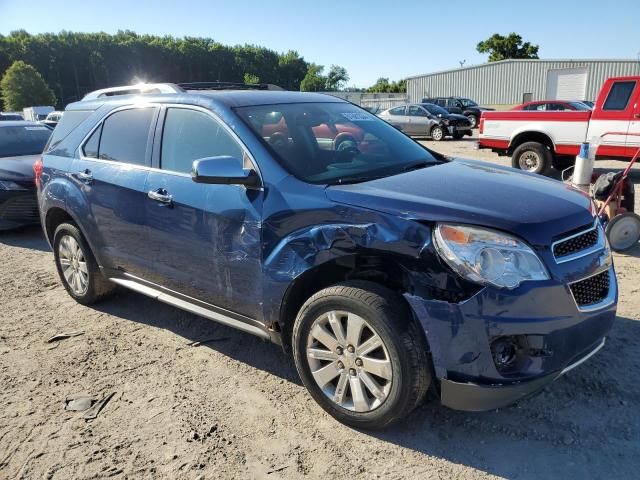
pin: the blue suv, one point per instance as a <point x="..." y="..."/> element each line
<point x="384" y="268"/>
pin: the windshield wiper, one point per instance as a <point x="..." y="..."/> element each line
<point x="416" y="166"/>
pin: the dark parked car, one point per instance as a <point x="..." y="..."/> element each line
<point x="460" y="105"/>
<point x="384" y="268"/>
<point x="427" y="120"/>
<point x="21" y="144"/>
<point x="10" y="116"/>
<point x="553" y="106"/>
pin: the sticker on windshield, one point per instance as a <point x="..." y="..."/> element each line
<point x="357" y="117"/>
<point x="36" y="128"/>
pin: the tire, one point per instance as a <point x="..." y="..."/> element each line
<point x="623" y="231"/>
<point x="77" y="267"/>
<point x="473" y="119"/>
<point x="532" y="157"/>
<point x="402" y="368"/>
<point x="437" y="133"/>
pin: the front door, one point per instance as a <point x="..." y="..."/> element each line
<point x="111" y="172"/>
<point x="204" y="241"/>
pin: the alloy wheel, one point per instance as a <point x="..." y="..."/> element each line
<point x="73" y="265"/>
<point x="529" y="161"/>
<point x="349" y="361"/>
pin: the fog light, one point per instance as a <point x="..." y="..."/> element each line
<point x="503" y="351"/>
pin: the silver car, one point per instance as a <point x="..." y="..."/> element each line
<point x="427" y="120"/>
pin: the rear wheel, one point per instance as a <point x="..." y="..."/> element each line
<point x="532" y="157"/>
<point x="437" y="133"/>
<point x="359" y="354"/>
<point x="77" y="267"/>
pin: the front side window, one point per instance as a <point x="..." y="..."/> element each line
<point x="329" y="143"/>
<point x="466" y="103"/>
<point x="124" y="136"/>
<point x="23" y="140"/>
<point x="190" y="135"/>
<point x="416" y="111"/>
<point x="619" y="96"/>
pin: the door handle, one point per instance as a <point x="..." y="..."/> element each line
<point x="160" y="195"/>
<point x="85" y="176"/>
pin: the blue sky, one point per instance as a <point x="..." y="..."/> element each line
<point x="370" y="39"/>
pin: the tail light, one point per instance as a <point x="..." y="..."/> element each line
<point x="481" y="126"/>
<point x="37" y="170"/>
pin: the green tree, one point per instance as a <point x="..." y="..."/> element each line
<point x="251" y="79"/>
<point x="502" y="48"/>
<point x="314" y="80"/>
<point x="383" y="85"/>
<point x="22" y="86"/>
<point x="336" y="78"/>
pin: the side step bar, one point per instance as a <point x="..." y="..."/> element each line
<point x="190" y="307"/>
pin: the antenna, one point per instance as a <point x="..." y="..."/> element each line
<point x="462" y="62"/>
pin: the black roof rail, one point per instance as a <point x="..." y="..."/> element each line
<point x="227" y="86"/>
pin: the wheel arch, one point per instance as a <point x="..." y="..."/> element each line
<point x="378" y="268"/>
<point x="531" y="136"/>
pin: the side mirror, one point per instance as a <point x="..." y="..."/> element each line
<point x="223" y="170"/>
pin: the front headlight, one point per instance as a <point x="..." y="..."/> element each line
<point x="9" y="185"/>
<point x="487" y="256"/>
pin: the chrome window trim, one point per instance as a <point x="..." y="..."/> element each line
<point x="99" y="124"/>
<point x="600" y="244"/>
<point x="606" y="301"/>
<point x="217" y="118"/>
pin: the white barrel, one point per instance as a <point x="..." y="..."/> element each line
<point x="583" y="169"/>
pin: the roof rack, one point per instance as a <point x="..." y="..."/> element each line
<point x="228" y="86"/>
<point x="140" y="88"/>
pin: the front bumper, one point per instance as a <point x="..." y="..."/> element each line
<point x="472" y="397"/>
<point x="18" y="208"/>
<point x="542" y="319"/>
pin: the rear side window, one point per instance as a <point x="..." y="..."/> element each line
<point x="619" y="96"/>
<point x="123" y="137"/>
<point x="190" y="135"/>
<point x="70" y="120"/>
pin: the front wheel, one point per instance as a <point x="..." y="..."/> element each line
<point x="473" y="120"/>
<point x="437" y="133"/>
<point x="360" y="355"/>
<point x="532" y="157"/>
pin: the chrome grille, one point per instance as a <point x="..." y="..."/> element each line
<point x="578" y="245"/>
<point x="591" y="290"/>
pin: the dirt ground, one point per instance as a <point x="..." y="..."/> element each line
<point x="233" y="407"/>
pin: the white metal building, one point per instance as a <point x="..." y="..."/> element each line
<point x="510" y="82"/>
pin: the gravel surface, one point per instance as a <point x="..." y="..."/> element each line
<point x="233" y="407"/>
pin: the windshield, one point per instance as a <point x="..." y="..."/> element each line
<point x="435" y="109"/>
<point x="330" y="143"/>
<point x="467" y="103"/>
<point x="23" y="140"/>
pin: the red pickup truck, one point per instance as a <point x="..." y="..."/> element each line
<point x="537" y="140"/>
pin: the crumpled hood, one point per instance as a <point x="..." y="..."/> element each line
<point x="531" y="206"/>
<point x="18" y="169"/>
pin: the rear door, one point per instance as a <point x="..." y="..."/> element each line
<point x="111" y="172"/>
<point x="398" y="118"/>
<point x="204" y="241"/>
